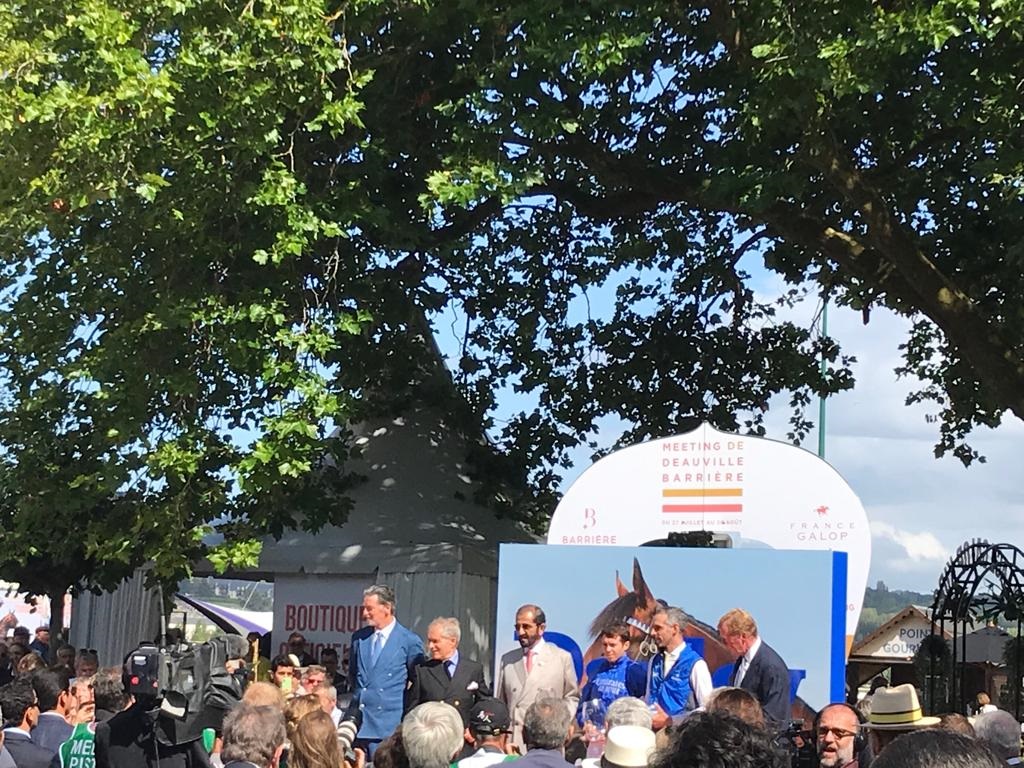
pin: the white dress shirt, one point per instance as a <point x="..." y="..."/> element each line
<point x="747" y="658"/>
<point x="532" y="651"/>
<point x="385" y="632"/>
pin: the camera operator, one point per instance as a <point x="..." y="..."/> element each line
<point x="150" y="732"/>
<point x="224" y="658"/>
<point x="799" y="743"/>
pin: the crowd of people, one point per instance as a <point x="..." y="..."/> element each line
<point x="408" y="704"/>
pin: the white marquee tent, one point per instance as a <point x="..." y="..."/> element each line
<point x="414" y="526"/>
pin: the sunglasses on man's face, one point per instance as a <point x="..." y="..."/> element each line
<point x="837" y="733"/>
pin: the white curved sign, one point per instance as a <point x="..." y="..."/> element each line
<point x="763" y="492"/>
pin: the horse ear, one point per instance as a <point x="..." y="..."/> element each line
<point x="620" y="588"/>
<point x="640" y="586"/>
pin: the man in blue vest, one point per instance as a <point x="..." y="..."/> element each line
<point x="614" y="676"/>
<point x="679" y="679"/>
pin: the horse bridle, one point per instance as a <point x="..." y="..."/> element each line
<point x="647" y="647"/>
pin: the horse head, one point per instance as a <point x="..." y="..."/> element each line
<point x="638" y="604"/>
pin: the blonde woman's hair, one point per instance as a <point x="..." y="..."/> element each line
<point x="298" y="708"/>
<point x="314" y="742"/>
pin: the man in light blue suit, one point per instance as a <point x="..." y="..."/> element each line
<point x="380" y="662"/>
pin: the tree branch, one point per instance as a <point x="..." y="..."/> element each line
<point x="889" y="257"/>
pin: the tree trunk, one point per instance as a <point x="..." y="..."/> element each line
<point x="56" y="597"/>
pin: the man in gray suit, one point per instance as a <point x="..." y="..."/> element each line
<point x="533" y="671"/>
<point x="758" y="668"/>
<point x="53" y="694"/>
<point x="253" y="737"/>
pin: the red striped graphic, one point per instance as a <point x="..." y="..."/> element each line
<point x="699" y="508"/>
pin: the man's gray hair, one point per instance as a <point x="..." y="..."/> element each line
<point x="628" y="710"/>
<point x="385" y="595"/>
<point x="546" y="725"/>
<point x="449" y="627"/>
<point x="329" y="692"/>
<point x="432" y="734"/>
<point x="314" y="669"/>
<point x="1000" y="732"/>
<point x="674" y="616"/>
<point x="252" y="734"/>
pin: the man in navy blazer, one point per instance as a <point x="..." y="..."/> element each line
<point x="447" y="676"/>
<point x="380" y="664"/>
<point x="20" y="713"/>
<point x="759" y="669"/>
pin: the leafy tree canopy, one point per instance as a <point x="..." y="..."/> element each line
<point x="227" y="226"/>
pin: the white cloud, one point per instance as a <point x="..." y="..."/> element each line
<point x="920" y="508"/>
<point x="917" y="547"/>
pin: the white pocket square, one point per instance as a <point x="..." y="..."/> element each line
<point x="474" y="685"/>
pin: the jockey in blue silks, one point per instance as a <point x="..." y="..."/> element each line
<point x="613" y="676"/>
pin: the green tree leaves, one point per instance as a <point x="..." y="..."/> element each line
<point x="160" y="144"/>
<point x="228" y="227"/>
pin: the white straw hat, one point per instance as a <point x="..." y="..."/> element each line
<point x="897" y="709"/>
<point x="628" y="746"/>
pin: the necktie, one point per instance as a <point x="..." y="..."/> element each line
<point x="741" y="671"/>
<point x="378" y="646"/>
<point x="669" y="662"/>
<point x="529" y="660"/>
<point x="449" y="667"/>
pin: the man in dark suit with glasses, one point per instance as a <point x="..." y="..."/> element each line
<point x="20" y="715"/>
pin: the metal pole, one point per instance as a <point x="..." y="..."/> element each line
<point x="824" y="369"/>
<point x="961" y="703"/>
<point x="951" y="690"/>
<point x="1016" y="670"/>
